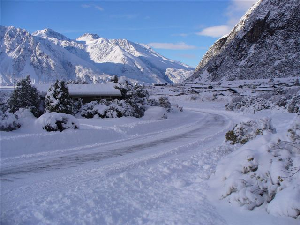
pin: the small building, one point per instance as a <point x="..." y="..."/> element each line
<point x="93" y="92"/>
<point x="88" y="92"/>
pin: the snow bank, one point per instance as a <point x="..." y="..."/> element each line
<point x="264" y="171"/>
<point x="286" y="203"/>
<point x="57" y="121"/>
<point x="8" y="121"/>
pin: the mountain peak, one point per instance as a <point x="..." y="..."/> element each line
<point x="49" y="33"/>
<point x="88" y="37"/>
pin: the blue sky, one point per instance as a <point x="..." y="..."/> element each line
<point x="179" y="30"/>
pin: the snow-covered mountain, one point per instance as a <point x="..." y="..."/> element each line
<point x="22" y="53"/>
<point x="264" y="44"/>
<point x="47" y="55"/>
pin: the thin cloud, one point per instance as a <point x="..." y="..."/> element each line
<point x="86" y="6"/>
<point x="180" y="35"/>
<point x="124" y="16"/>
<point x="99" y="8"/>
<point x="236" y="9"/>
<point x="172" y="46"/>
<point x="215" y="31"/>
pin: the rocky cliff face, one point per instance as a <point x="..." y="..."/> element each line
<point x="47" y="55"/>
<point x="264" y="44"/>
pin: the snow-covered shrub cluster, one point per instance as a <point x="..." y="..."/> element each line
<point x="135" y="100"/>
<point x="136" y="96"/>
<point x="156" y="113"/>
<point x="245" y="131"/>
<point x="207" y="97"/>
<point x="134" y="103"/>
<point x="165" y="103"/>
<point x="288" y="99"/>
<point x="264" y="172"/>
<point x="161" y="102"/>
<point x="108" y="109"/>
<point x="247" y="104"/>
<point x="57" y="122"/>
<point x="8" y="121"/>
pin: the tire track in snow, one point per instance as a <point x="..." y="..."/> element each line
<point x="72" y="159"/>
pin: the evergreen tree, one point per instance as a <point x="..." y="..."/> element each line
<point x="25" y="96"/>
<point x="58" y="98"/>
<point x="114" y="79"/>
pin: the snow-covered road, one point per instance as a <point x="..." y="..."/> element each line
<point x="146" y="145"/>
<point x="152" y="172"/>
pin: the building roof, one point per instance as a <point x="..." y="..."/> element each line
<point x="86" y="89"/>
<point x="93" y="90"/>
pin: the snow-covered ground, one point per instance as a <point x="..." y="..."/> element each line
<point x="125" y="171"/>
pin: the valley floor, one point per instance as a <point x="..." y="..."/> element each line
<point x="123" y="171"/>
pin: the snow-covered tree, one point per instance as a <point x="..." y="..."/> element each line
<point x="114" y="79"/>
<point x="164" y="102"/>
<point x="58" y="98"/>
<point x="136" y="96"/>
<point x="25" y="96"/>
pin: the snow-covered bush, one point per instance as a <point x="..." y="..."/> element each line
<point x="25" y="96"/>
<point x="264" y="171"/>
<point x="288" y="99"/>
<point x="165" y="103"/>
<point x="135" y="95"/>
<point x="108" y="109"/>
<point x="57" y="122"/>
<point x="8" y="121"/>
<point x="129" y="90"/>
<point x="58" y="99"/>
<point x="4" y="101"/>
<point x="76" y="105"/>
<point x="114" y="79"/>
<point x="294" y="131"/>
<point x="248" y="104"/>
<point x="88" y="110"/>
<point x="245" y="131"/>
<point x="293" y="106"/>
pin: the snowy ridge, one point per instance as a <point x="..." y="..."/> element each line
<point x="264" y="44"/>
<point x="23" y="54"/>
<point x="47" y="55"/>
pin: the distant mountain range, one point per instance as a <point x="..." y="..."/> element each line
<point x="264" y="44"/>
<point x="47" y="55"/>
